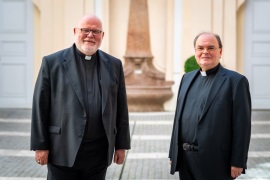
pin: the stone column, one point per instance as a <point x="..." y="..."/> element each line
<point x="147" y="89"/>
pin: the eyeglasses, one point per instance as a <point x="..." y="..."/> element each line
<point x="86" y="31"/>
<point x="208" y="49"/>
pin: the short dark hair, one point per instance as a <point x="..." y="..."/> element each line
<point x="216" y="35"/>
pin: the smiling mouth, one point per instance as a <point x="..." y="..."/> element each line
<point x="91" y="42"/>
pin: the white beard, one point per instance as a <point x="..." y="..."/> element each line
<point x="89" y="51"/>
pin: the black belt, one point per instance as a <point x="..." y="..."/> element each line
<point x="190" y="147"/>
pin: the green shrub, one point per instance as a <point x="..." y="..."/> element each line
<point x="191" y="64"/>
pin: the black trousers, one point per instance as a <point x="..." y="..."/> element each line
<point x="91" y="163"/>
<point x="189" y="166"/>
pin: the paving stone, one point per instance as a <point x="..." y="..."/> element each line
<point x="25" y="168"/>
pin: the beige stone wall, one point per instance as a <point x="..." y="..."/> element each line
<point x="219" y="16"/>
<point x="54" y="21"/>
<point x="224" y="17"/>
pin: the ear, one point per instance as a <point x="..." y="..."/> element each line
<point x="220" y="52"/>
<point x="74" y="31"/>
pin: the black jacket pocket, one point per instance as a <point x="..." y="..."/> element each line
<point x="55" y="129"/>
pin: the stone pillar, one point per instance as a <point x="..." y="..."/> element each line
<point x="147" y="89"/>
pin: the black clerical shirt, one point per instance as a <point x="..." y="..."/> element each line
<point x="89" y="73"/>
<point x="194" y="105"/>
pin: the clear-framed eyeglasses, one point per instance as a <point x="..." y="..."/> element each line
<point x="86" y="31"/>
<point x="208" y="48"/>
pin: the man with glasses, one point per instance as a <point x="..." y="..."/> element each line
<point x="212" y="124"/>
<point x="80" y="115"/>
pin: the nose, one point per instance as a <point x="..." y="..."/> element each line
<point x="90" y="34"/>
<point x="205" y="50"/>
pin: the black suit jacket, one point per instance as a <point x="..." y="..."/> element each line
<point x="58" y="112"/>
<point x="224" y="127"/>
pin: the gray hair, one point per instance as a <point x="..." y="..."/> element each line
<point x="216" y="35"/>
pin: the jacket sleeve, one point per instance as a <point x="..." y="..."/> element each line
<point x="241" y="123"/>
<point x="123" y="133"/>
<point x="41" y="109"/>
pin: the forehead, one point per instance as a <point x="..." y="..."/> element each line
<point x="90" y="22"/>
<point x="206" y="39"/>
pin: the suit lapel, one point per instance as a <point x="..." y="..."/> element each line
<point x="104" y="77"/>
<point x="217" y="84"/>
<point x="71" y="69"/>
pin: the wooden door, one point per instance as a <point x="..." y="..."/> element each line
<point x="16" y="53"/>
<point x="257" y="51"/>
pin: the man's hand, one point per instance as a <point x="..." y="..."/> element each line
<point x="236" y="171"/>
<point x="119" y="156"/>
<point x="42" y="157"/>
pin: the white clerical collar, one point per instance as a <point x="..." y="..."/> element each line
<point x="203" y="73"/>
<point x="209" y="71"/>
<point x="88" y="58"/>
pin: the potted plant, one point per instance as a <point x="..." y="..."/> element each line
<point x="191" y="64"/>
